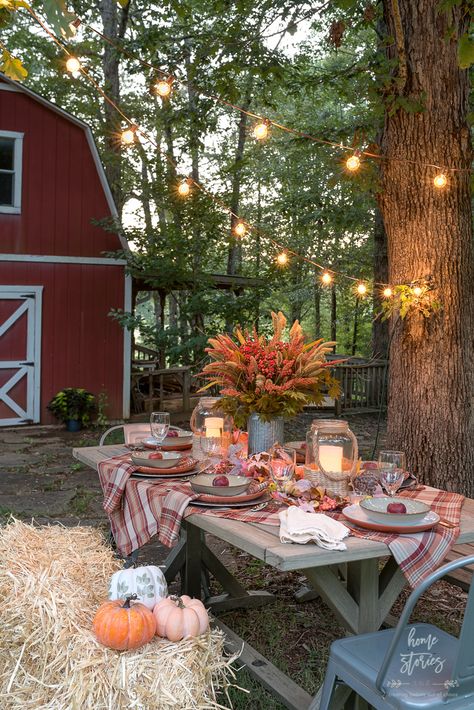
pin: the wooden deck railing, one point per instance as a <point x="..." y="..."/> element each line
<point x="362" y="386"/>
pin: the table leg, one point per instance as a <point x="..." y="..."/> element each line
<point x="199" y="560"/>
<point x="362" y="604"/>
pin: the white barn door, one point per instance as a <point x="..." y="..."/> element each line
<point x="20" y="354"/>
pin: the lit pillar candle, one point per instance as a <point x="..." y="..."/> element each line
<point x="213" y="426"/>
<point x="330" y="457"/>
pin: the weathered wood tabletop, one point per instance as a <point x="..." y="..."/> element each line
<point x="360" y="584"/>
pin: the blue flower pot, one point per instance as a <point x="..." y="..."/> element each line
<point x="73" y="425"/>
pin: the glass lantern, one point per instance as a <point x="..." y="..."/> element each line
<point x="335" y="448"/>
<point x="208" y="421"/>
<point x="309" y="450"/>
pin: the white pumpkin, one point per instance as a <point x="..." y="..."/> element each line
<point x="148" y="583"/>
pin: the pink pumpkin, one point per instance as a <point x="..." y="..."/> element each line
<point x="180" y="617"/>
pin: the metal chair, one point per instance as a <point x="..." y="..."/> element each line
<point x="411" y="666"/>
<point x="131" y="432"/>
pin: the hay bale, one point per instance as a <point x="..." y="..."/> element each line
<point x="52" y="579"/>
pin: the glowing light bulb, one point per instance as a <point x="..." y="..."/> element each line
<point x="184" y="188"/>
<point x="387" y="292"/>
<point x="353" y="163"/>
<point x="417" y="291"/>
<point x="163" y="87"/>
<point x="361" y="289"/>
<point x="282" y="258"/>
<point x="326" y="278"/>
<point x="128" y="136"/>
<point x="73" y="65"/>
<point x="260" y="131"/>
<point x="240" y="229"/>
<point x="440" y="181"/>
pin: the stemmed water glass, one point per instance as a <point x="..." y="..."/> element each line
<point x="159" y="425"/>
<point x="282" y="464"/>
<point x="392" y="467"/>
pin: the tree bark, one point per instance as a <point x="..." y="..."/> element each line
<point x="317" y="304"/>
<point x="333" y="313"/>
<point x="379" y="326"/>
<point x="355" y="329"/>
<point x="114" y="22"/>
<point x="429" y="231"/>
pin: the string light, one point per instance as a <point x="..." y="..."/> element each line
<point x="184" y="188"/>
<point x="240" y="229"/>
<point x="73" y="65"/>
<point x="387" y="292"/>
<point x="326" y="278"/>
<point x="353" y="162"/>
<point x="282" y="259"/>
<point x="261" y="130"/>
<point x="163" y="87"/>
<point x="440" y="181"/>
<point x="128" y="135"/>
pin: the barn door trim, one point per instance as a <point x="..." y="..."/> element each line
<point x="32" y="296"/>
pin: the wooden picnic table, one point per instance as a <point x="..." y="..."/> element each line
<point x="359" y="584"/>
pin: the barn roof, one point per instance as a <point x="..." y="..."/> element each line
<point x="16" y="86"/>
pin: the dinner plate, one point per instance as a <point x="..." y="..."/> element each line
<point x="242" y="498"/>
<point x="161" y="476"/>
<point x="187" y="465"/>
<point x="152" y="443"/>
<point x="356" y="514"/>
<point x="248" y="504"/>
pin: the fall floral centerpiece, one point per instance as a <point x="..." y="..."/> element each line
<point x="269" y="377"/>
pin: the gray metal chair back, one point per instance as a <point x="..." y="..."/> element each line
<point x="131" y="432"/>
<point x="463" y="670"/>
<point x="366" y="663"/>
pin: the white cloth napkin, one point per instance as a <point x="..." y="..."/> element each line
<point x="297" y="525"/>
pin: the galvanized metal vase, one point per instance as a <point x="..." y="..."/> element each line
<point x="262" y="435"/>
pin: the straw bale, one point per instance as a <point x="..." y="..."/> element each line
<point x="52" y="579"/>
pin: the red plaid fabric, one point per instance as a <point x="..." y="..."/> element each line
<point x="138" y="510"/>
<point x="419" y="554"/>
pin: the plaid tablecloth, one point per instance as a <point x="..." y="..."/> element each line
<point x="139" y="509"/>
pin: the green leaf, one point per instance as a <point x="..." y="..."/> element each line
<point x="465" y="52"/>
<point x="12" y="67"/>
<point x="59" y="17"/>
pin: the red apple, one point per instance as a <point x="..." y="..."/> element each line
<point x="156" y="455"/>
<point x="220" y="481"/>
<point x="172" y="433"/>
<point x="397" y="508"/>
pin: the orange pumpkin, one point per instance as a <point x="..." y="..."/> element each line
<point x="180" y="617"/>
<point x="122" y="626"/>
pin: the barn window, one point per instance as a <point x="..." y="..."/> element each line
<point x="10" y="171"/>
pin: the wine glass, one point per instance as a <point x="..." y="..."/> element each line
<point x="392" y="466"/>
<point x="159" y="425"/>
<point x="391" y="479"/>
<point x="282" y="464"/>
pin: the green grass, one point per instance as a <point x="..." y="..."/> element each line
<point x="80" y="502"/>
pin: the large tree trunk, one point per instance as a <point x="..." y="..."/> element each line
<point x="429" y="233"/>
<point x="379" y="326"/>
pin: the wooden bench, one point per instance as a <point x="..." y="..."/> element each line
<point x="461" y="577"/>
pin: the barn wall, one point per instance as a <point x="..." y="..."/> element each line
<point x="61" y="189"/>
<point x="81" y="346"/>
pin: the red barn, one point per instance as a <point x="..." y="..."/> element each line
<point x="56" y="286"/>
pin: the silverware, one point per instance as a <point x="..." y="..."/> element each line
<point x="261" y="506"/>
<point x="447" y="523"/>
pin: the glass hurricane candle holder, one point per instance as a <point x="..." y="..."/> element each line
<point x="207" y="420"/>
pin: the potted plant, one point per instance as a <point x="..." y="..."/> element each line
<point x="263" y="380"/>
<point x="74" y="406"/>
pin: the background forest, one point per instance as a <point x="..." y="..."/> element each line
<point x="314" y="67"/>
